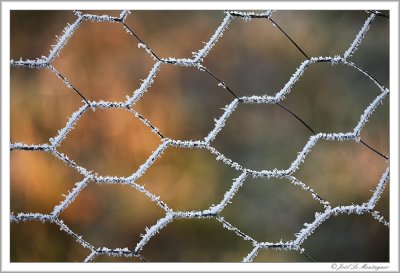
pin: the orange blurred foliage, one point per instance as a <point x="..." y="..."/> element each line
<point x="104" y="63"/>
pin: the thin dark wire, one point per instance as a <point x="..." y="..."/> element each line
<point x="233" y="13"/>
<point x="151" y="126"/>
<point x="372" y="77"/>
<point x="308" y="256"/>
<point x="357" y="67"/>
<point x="296" y="116"/>
<point x="29" y="148"/>
<point x="326" y="60"/>
<point x="142" y="258"/>
<point x="243" y="235"/>
<point x="376" y="151"/>
<point x="305" y="55"/>
<point x="159" y="59"/>
<point x="140" y="40"/>
<point x="220" y="81"/>
<point x="293" y="42"/>
<point x="73" y="87"/>
<point x="309" y="128"/>
<point x="66" y="159"/>
<point x="234" y="94"/>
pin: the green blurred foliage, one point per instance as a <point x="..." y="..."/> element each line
<point x="253" y="58"/>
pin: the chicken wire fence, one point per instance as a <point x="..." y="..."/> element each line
<point x="214" y="210"/>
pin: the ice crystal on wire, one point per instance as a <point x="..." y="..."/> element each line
<point x="360" y="36"/>
<point x="215" y="209"/>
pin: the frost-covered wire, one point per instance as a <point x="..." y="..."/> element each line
<point x="202" y="53"/>
<point x="206" y="143"/>
<point x="360" y="36"/>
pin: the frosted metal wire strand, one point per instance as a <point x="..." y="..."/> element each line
<point x="360" y="36"/>
<point x="309" y="228"/>
<point x="212" y="211"/>
<point x="378" y="13"/>
<point x="198" y="56"/>
<point x="251" y="15"/>
<point x="312" y="131"/>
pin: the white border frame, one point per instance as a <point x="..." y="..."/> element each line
<point x="6" y="6"/>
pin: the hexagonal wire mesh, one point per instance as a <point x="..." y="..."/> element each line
<point x="130" y="178"/>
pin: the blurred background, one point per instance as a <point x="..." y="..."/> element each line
<point x="253" y="58"/>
